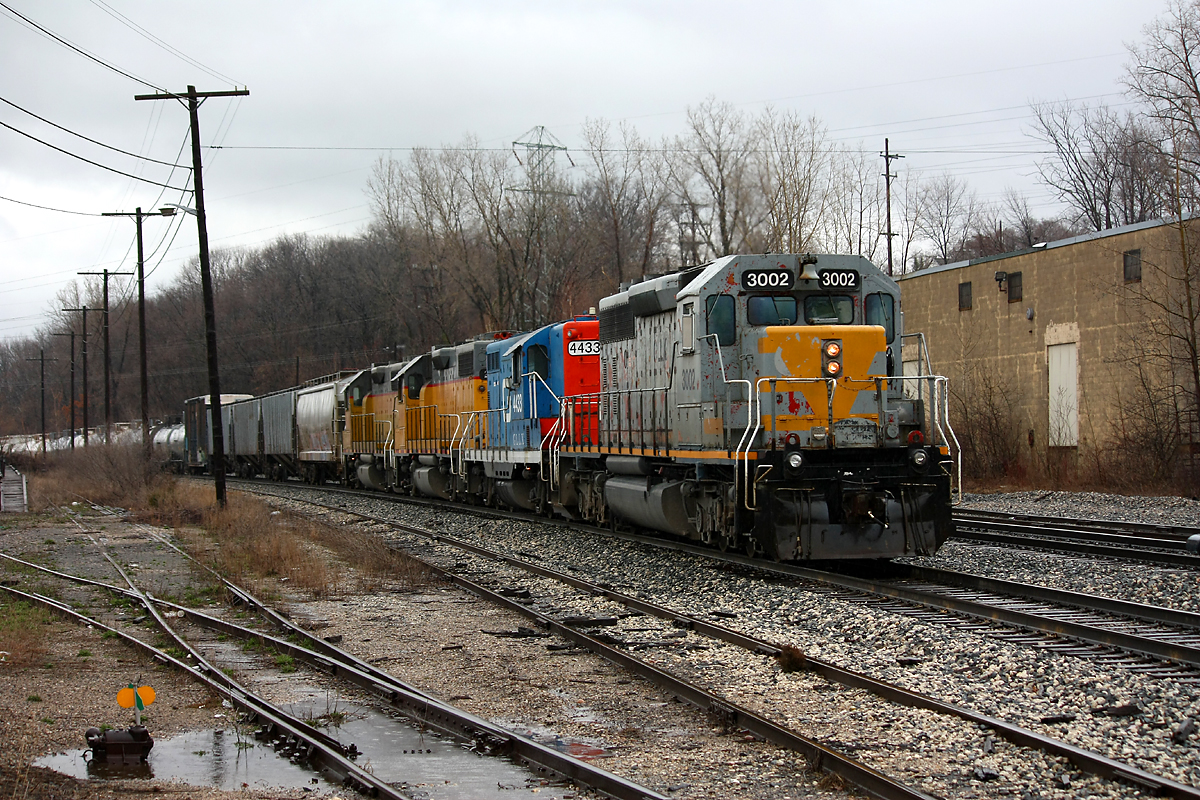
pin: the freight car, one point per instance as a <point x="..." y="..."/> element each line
<point x="755" y="402"/>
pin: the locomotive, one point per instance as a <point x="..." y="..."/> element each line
<point x="756" y="402"/>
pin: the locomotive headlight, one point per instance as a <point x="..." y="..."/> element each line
<point x="831" y="358"/>
<point x="795" y="460"/>
<point x="919" y="458"/>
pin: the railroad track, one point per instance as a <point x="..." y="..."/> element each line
<point x="293" y="736"/>
<point x="1088" y="626"/>
<point x="1121" y="540"/>
<point x="519" y="600"/>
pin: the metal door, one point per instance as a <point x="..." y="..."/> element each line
<point x="1062" y="364"/>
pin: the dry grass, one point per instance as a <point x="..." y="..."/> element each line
<point x="247" y="541"/>
<point x="792" y="658"/>
<point x="253" y="545"/>
<point x="22" y="632"/>
<point x="109" y="475"/>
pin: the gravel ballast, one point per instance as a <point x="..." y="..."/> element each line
<point x="1018" y="683"/>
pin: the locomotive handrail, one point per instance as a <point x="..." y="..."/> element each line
<point x="461" y="469"/>
<point x="534" y="378"/>
<point x="453" y="436"/>
<point x="939" y="414"/>
<point x="945" y="394"/>
<point x="922" y="356"/>
<point x="550" y="444"/>
<point x="751" y="488"/>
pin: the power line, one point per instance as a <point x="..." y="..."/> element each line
<point x="88" y="138"/>
<point x="48" y="208"/>
<point x="76" y="47"/>
<point x="86" y="160"/>
<point x="138" y="29"/>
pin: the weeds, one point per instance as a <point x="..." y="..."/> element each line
<point x="246" y="541"/>
<point x="22" y="632"/>
<point x="792" y="658"/>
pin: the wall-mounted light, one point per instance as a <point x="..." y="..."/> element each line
<point x="1029" y="314"/>
<point x="1001" y="277"/>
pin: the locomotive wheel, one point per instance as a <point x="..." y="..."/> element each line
<point x="750" y="547"/>
<point x="726" y="543"/>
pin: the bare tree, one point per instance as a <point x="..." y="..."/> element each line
<point x="794" y="158"/>
<point x="906" y="220"/>
<point x="1165" y="75"/>
<point x="1106" y="168"/>
<point x="628" y="187"/>
<point x="856" y="205"/>
<point x="713" y="176"/>
<point x="948" y="213"/>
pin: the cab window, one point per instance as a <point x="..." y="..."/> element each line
<point x="722" y="318"/>
<point x="763" y="310"/>
<point x="880" y="309"/>
<point x="826" y="309"/>
<point x="539" y="361"/>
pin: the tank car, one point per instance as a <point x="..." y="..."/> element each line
<point x="755" y="402"/>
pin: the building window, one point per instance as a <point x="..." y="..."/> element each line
<point x="1133" y="266"/>
<point x="964" y="296"/>
<point x="1014" y="287"/>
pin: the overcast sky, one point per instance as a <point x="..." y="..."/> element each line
<point x="948" y="82"/>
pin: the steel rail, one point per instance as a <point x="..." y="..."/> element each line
<point x="731" y="714"/>
<point x="351" y="774"/>
<point x="331" y="759"/>
<point x="819" y="756"/>
<point x="1171" y="552"/>
<point x="1084" y="633"/>
<point x="1049" y="530"/>
<point x="1085" y="760"/>
<point x="420" y="706"/>
<point x="1180" y="532"/>
<point x="1090" y="602"/>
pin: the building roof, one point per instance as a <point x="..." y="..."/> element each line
<point x="1087" y="237"/>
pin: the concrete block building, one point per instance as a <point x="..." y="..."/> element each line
<point x="1061" y="355"/>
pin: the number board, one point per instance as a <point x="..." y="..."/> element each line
<point x="838" y="278"/>
<point x="583" y="347"/>
<point x="768" y="279"/>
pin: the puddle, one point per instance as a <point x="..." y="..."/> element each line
<point x="420" y="764"/>
<point x="203" y="758"/>
<point x="580" y="748"/>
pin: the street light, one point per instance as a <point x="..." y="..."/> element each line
<point x="166" y="211"/>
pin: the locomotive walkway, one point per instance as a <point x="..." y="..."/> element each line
<point x="13" y="496"/>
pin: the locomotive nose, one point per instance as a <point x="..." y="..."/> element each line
<point x="860" y="506"/>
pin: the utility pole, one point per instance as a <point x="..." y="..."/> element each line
<point x="85" y="372"/>
<point x="42" y="358"/>
<point x="141" y="276"/>
<point x="72" y="335"/>
<point x="194" y="99"/>
<point x="888" y="156"/>
<point x="107" y="357"/>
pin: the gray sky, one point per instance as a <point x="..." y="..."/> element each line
<point x="948" y="82"/>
